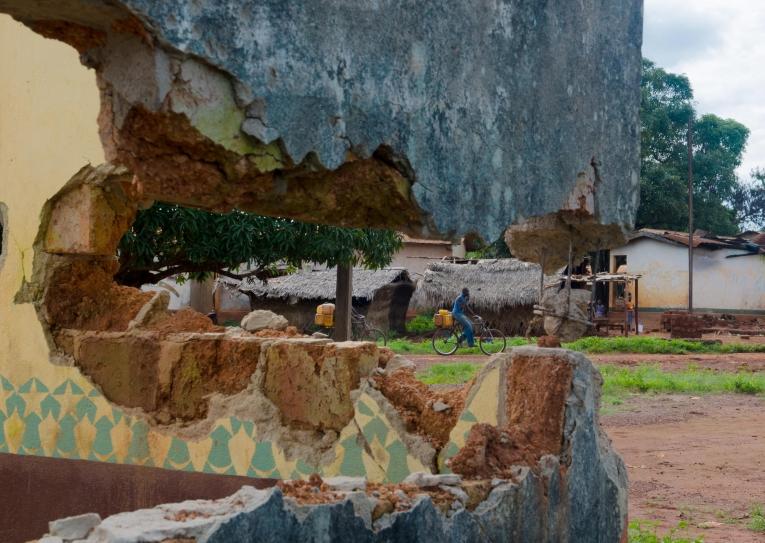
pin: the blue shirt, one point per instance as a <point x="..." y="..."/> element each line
<point x="459" y="305"/>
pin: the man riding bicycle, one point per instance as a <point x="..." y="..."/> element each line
<point x="460" y="305"/>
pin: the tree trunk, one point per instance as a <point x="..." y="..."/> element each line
<point x="343" y="298"/>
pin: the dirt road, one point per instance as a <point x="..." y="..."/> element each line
<point x="694" y="459"/>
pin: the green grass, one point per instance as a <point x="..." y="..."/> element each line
<point x="617" y="381"/>
<point x="645" y="532"/>
<point x="449" y="374"/>
<point x="420" y="325"/>
<point x="653" y="345"/>
<point x="407" y="346"/>
<point x="757" y="519"/>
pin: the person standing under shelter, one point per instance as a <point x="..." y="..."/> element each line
<point x="461" y="304"/>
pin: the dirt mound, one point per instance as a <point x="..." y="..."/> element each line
<point x="426" y="412"/>
<point x="82" y="295"/>
<point x="488" y="452"/>
<point x="183" y="320"/>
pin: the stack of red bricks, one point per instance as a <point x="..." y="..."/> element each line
<point x="684" y="325"/>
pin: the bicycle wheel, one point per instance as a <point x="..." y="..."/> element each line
<point x="446" y="341"/>
<point x="492" y="341"/>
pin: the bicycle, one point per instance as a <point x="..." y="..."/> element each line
<point x="361" y="331"/>
<point x="446" y="341"/>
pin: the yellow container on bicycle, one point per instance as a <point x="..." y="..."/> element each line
<point x="443" y="319"/>
<point x="325" y="315"/>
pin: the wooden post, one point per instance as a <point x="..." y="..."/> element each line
<point x="343" y="299"/>
<point x="637" y="323"/>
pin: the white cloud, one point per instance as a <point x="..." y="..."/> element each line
<point x="718" y="45"/>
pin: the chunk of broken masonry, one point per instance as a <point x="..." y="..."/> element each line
<point x="77" y="527"/>
<point x="261" y="319"/>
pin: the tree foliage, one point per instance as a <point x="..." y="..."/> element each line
<point x="168" y="239"/>
<point x="718" y="146"/>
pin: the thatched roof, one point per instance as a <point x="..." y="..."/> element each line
<point x="319" y="285"/>
<point x="494" y="284"/>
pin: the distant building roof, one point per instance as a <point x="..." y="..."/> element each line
<point x="703" y="240"/>
<point x="421" y="241"/>
<point x="319" y="285"/>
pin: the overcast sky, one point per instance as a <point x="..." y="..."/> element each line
<point x="720" y="46"/>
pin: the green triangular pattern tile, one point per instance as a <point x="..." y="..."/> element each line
<point x="14" y="402"/>
<point x="86" y="408"/>
<point x="66" y="444"/>
<point x="33" y="385"/>
<point x="117" y="415"/>
<point x="219" y="453"/>
<point x="94" y="393"/>
<point x="304" y="468"/>
<point x="6" y="384"/>
<point x="364" y="409"/>
<point x="352" y="464"/>
<point x="467" y="416"/>
<point x="69" y="386"/>
<point x="235" y="425"/>
<point x="103" y="443"/>
<point x="263" y="458"/>
<point x="31" y="438"/>
<point x="138" y="451"/>
<point x="50" y="405"/>
<point x="249" y="427"/>
<point x="375" y="427"/>
<point x="178" y="453"/>
<point x="397" y="467"/>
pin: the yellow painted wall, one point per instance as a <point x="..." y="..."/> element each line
<point x="48" y="109"/>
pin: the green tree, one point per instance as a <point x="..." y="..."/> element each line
<point x="749" y="201"/>
<point x="718" y="146"/>
<point x="168" y="239"/>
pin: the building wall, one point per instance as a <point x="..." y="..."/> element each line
<point x="415" y="257"/>
<point x="48" y="109"/>
<point x="719" y="283"/>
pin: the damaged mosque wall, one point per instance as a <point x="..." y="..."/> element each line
<point x="93" y="371"/>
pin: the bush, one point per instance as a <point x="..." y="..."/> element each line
<point x="420" y="325"/>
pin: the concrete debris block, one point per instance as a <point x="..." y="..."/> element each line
<point x="457" y="492"/>
<point x="423" y="479"/>
<point x="310" y="381"/>
<point x="558" y="303"/>
<point x="89" y="218"/>
<point x="77" y="527"/>
<point x="398" y="362"/>
<point x="439" y="406"/>
<point x="346" y="484"/>
<point x="319" y="335"/>
<point x="260" y="319"/>
<point x="50" y="539"/>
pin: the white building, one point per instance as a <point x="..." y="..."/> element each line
<point x="728" y="272"/>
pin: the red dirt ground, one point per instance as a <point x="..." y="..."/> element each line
<point x="694" y="459"/>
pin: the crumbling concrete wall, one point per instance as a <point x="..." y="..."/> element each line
<point x="448" y="120"/>
<point x="550" y="476"/>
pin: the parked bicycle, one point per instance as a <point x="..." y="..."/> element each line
<point x="446" y="341"/>
<point x="361" y="331"/>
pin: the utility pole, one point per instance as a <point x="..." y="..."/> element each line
<point x="690" y="215"/>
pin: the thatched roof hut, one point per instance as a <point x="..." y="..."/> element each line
<point x="383" y="295"/>
<point x="503" y="291"/>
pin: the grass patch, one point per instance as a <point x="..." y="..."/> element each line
<point x="654" y="345"/>
<point x="651" y="378"/>
<point x="407" y="346"/>
<point x="449" y="374"/>
<point x="756" y="518"/>
<point x="645" y="532"/>
<point x="420" y="325"/>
